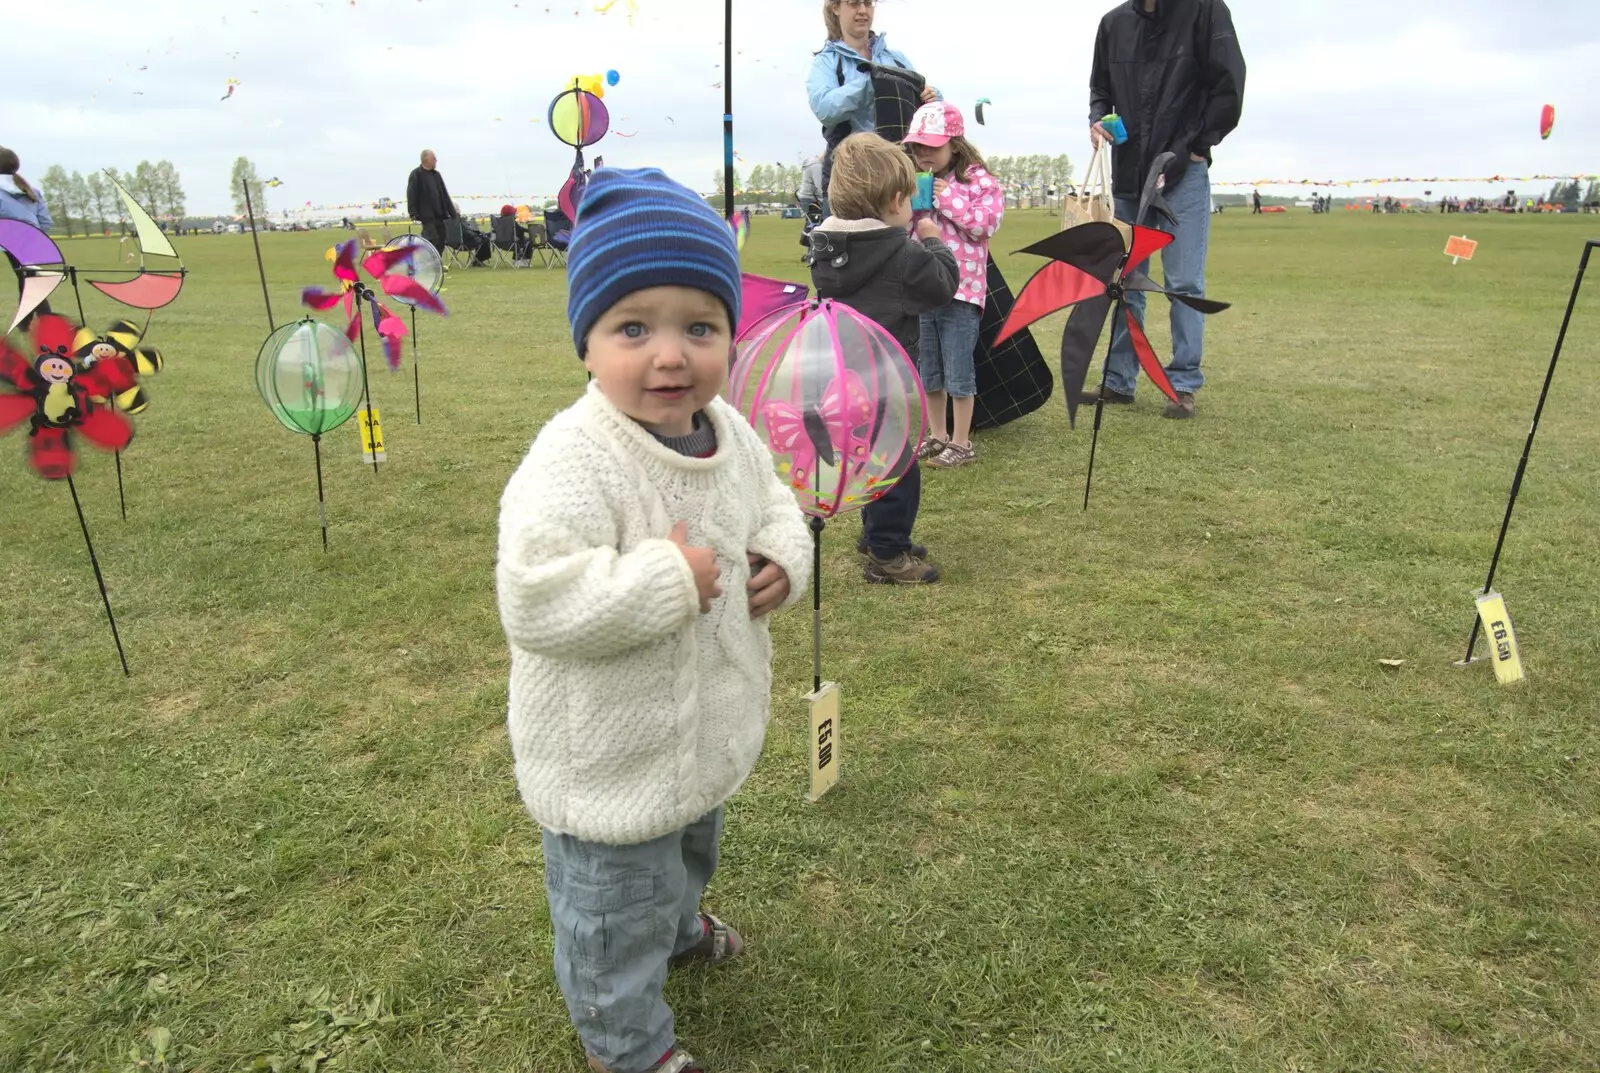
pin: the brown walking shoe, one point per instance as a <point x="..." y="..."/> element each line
<point x="903" y="569"/>
<point x="1182" y="409"/>
<point x="917" y="550"/>
<point x="1113" y="398"/>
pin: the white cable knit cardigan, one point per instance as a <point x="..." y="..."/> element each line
<point x="631" y="713"/>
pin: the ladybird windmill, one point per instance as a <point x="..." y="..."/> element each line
<point x="841" y="407"/>
<point x="386" y="266"/>
<point x="1093" y="271"/>
<point x="58" y="398"/>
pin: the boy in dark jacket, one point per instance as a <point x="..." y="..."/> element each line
<point x="864" y="257"/>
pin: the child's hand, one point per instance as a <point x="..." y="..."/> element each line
<point x="929" y="94"/>
<point x="703" y="561"/>
<point x="926" y="228"/>
<point x="768" y="585"/>
<point x="939" y="187"/>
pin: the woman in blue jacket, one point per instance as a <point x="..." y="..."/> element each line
<point x="20" y="201"/>
<point x="839" y="88"/>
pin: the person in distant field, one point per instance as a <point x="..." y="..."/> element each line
<point x="428" y="199"/>
<point x="1255" y="202"/>
<point x="1174" y="71"/>
<point x="523" y="251"/>
<point x="481" y="243"/>
<point x="20" y="201"/>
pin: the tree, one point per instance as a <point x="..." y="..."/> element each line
<point x="56" y="186"/>
<point x="100" y="197"/>
<point x="244" y="173"/>
<point x="760" y="180"/>
<point x="79" y="202"/>
<point x="1592" y="195"/>
<point x="116" y="201"/>
<point x="170" y="199"/>
<point x="146" y="187"/>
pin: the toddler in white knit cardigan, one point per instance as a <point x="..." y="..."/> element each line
<point x="643" y="540"/>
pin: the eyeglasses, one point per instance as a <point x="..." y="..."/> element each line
<point x="868" y="4"/>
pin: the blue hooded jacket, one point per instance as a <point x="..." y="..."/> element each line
<point x="852" y="102"/>
<point x="13" y="206"/>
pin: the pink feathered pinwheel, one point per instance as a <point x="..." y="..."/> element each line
<point x="381" y="265"/>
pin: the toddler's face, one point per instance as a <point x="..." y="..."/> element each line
<point x="660" y="355"/>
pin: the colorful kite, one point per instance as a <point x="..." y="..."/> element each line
<point x="577" y="118"/>
<point x="233" y="83"/>
<point x="977" y="109"/>
<point x="58" y="397"/>
<point x="40" y="266"/>
<point x="1547" y="121"/>
<point x="310" y="378"/>
<point x="1092" y="269"/>
<point x="631" y="5"/>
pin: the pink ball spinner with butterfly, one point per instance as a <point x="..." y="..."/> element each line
<point x="835" y="398"/>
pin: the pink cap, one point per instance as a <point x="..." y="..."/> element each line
<point x="935" y="124"/>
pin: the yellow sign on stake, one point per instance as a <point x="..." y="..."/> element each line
<point x="1502" y="639"/>
<point x="825" y="707"/>
<point x="371" y="437"/>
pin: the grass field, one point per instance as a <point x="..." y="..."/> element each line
<point x="1129" y="790"/>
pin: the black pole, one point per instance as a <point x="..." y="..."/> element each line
<point x="83" y="321"/>
<point x="322" y="506"/>
<point x="98" y="578"/>
<point x="366" y="391"/>
<point x="816" y="603"/>
<point x="261" y="268"/>
<point x="416" y="373"/>
<point x="727" y="109"/>
<point x="1527" y="447"/>
<point x="1100" y="404"/>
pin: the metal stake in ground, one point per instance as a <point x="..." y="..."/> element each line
<point x="122" y="498"/>
<point x="366" y="388"/>
<point x="98" y="578"/>
<point x="1527" y="447"/>
<point x="816" y="603"/>
<point x="416" y="372"/>
<point x="251" y="212"/>
<point x="322" y="506"/>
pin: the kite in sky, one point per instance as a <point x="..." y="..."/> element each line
<point x="232" y="83"/>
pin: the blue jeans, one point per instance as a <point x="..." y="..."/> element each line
<point x="1183" y="266"/>
<point x="944" y="353"/>
<point x="618" y="914"/>
<point x="887" y="522"/>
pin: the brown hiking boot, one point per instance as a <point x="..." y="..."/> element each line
<point x="1113" y="398"/>
<point x="903" y="569"/>
<point x="917" y="550"/>
<point x="1182" y="409"/>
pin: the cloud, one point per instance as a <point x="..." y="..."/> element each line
<point x="338" y="99"/>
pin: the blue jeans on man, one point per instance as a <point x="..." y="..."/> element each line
<point x="1183" y="267"/>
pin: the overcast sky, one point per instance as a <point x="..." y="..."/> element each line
<point x="336" y="97"/>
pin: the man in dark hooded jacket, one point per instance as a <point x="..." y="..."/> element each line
<point x="428" y="199"/>
<point x="1173" y="71"/>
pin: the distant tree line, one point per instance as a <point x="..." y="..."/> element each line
<point x="89" y="204"/>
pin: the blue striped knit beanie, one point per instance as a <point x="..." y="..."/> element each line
<point x="638" y="229"/>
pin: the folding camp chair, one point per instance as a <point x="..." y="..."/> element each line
<point x="558" y="230"/>
<point x="540" y="245"/>
<point x="455" y="244"/>
<point x="504" y="232"/>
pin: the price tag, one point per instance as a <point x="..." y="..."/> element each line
<point x="371" y="436"/>
<point x="1502" y="639"/>
<point x="825" y="706"/>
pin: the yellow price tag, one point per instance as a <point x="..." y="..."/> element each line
<point x="825" y="706"/>
<point x="1502" y="639"/>
<point x="371" y="436"/>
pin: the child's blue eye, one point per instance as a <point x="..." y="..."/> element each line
<point x="701" y="330"/>
<point x="633" y="329"/>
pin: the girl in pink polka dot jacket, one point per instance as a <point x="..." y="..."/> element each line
<point x="968" y="204"/>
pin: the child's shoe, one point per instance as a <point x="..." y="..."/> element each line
<point x="903" y="569"/>
<point x="676" y="1061"/>
<point x="952" y="456"/>
<point x="720" y="943"/>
